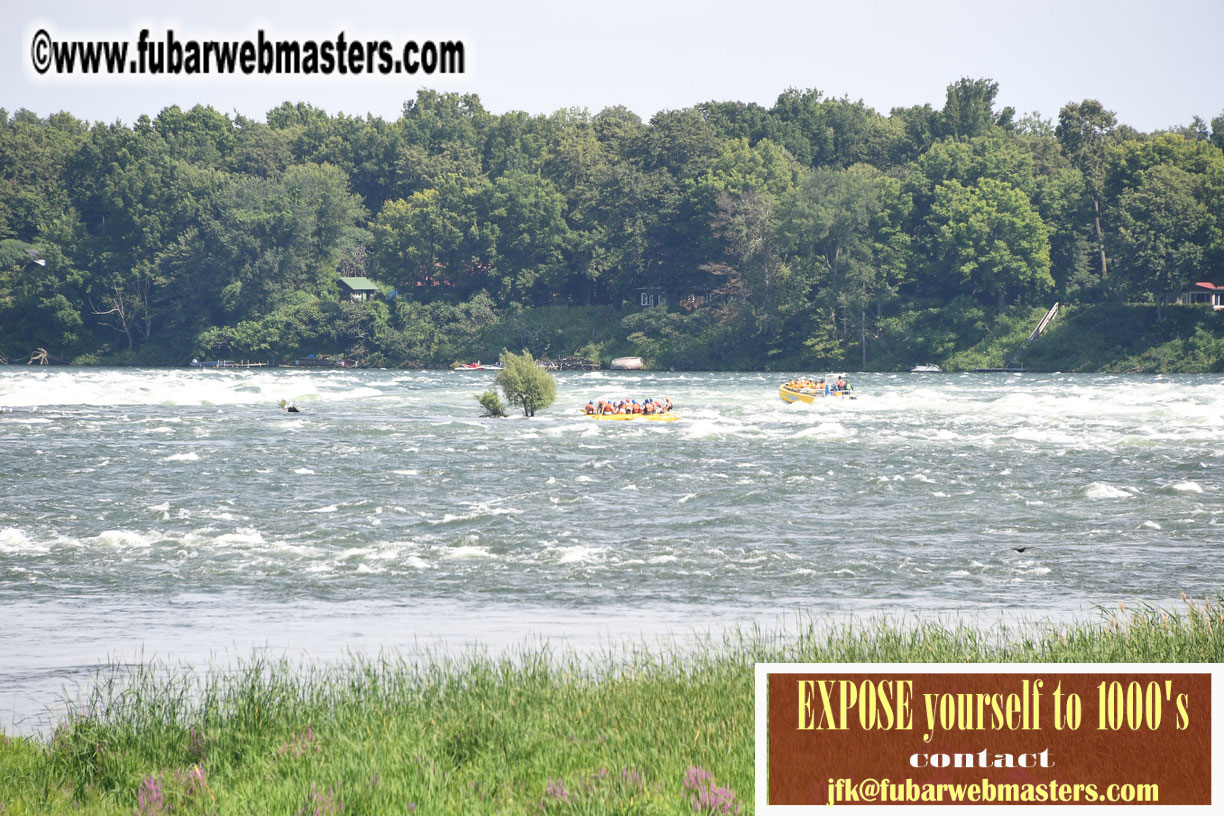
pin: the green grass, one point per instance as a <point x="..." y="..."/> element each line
<point x="533" y="732"/>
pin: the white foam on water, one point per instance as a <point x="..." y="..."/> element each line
<point x="478" y="511"/>
<point x="183" y="457"/>
<point x="304" y="471"/>
<point x="186" y="387"/>
<point x="244" y="537"/>
<point x="1151" y="525"/>
<point x="686" y="497"/>
<point x="1047" y="435"/>
<point x="467" y="552"/>
<point x="15" y="542"/>
<point x="406" y="472"/>
<point x="826" y="430"/>
<point x="123" y="539"/>
<point x="331" y="508"/>
<point x="662" y="559"/>
<point x="578" y="553"/>
<point x="1187" y="487"/>
<point x="1100" y="490"/>
<point x="707" y="429"/>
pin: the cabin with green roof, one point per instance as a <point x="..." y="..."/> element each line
<point x="357" y="290"/>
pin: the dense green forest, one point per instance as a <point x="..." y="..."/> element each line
<point x="816" y="232"/>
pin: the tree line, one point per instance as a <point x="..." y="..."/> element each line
<point x="816" y="230"/>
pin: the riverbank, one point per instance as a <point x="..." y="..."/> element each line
<point x="1105" y="338"/>
<point x="637" y="732"/>
<point x="959" y="336"/>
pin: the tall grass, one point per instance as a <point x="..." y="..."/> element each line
<point x="634" y="731"/>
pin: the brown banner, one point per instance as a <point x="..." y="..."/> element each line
<point x="999" y="738"/>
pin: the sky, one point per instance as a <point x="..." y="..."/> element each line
<point x="1155" y="64"/>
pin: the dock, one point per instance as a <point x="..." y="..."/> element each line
<point x="225" y="364"/>
<point x="1010" y="366"/>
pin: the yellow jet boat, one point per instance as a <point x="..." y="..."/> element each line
<point x="824" y="389"/>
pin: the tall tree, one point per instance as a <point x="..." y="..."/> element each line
<point x="1217" y="131"/>
<point x="1085" y="131"/>
<point x="417" y="241"/>
<point x="991" y="238"/>
<point x="757" y="285"/>
<point x="969" y="110"/>
<point x="1160" y="233"/>
<point x="525" y="214"/>
<point x="841" y="231"/>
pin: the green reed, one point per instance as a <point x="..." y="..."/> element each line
<point x="632" y="730"/>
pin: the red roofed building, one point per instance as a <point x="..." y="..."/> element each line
<point x="1203" y="293"/>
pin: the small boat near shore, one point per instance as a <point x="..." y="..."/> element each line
<point x="927" y="368"/>
<point x="478" y="366"/>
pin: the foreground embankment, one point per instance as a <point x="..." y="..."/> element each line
<point x="637" y="732"/>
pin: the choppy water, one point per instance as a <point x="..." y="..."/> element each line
<point x="181" y="511"/>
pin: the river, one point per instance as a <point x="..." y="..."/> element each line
<point x="180" y="515"/>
